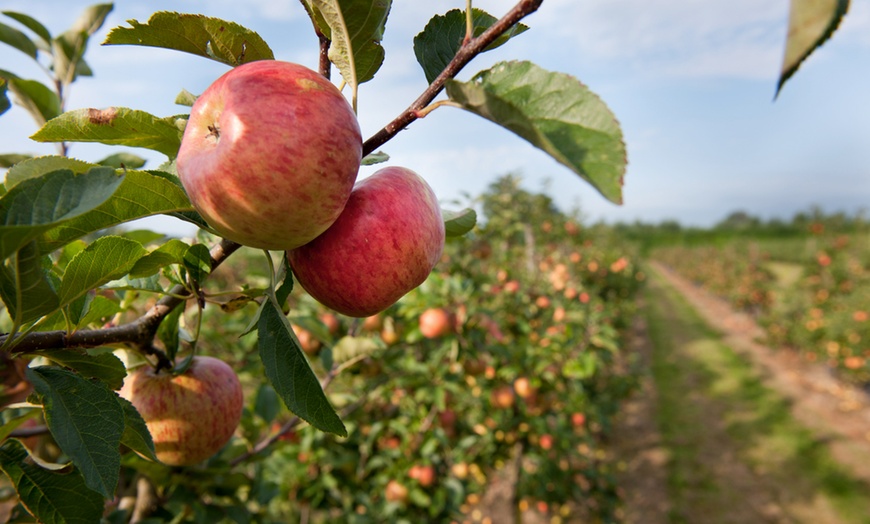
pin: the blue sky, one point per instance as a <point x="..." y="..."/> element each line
<point x="691" y="82"/>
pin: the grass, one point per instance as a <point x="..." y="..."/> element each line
<point x="736" y="453"/>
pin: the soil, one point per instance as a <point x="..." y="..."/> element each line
<point x="836" y="413"/>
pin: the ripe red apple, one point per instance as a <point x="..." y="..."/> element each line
<point x="425" y="475"/>
<point x="190" y="416"/>
<point x="270" y="154"/>
<point x="435" y="322"/>
<point x="396" y="492"/>
<point x="384" y="244"/>
<point x="546" y="441"/>
<point x="502" y="397"/>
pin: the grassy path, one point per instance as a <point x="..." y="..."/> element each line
<point x="734" y="452"/>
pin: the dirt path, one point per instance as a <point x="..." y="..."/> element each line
<point x="726" y="430"/>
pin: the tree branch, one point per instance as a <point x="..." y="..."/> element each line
<point x="138" y="333"/>
<point x="466" y="53"/>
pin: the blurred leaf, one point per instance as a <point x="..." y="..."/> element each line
<point x="141" y="194"/>
<point x="220" y="40"/>
<point x="51" y="497"/>
<point x="810" y="24"/>
<point x="5" y="104"/>
<point x="25" y="287"/>
<point x="290" y="374"/>
<point x="168" y="333"/>
<point x="185" y="98"/>
<point x="377" y="157"/>
<point x="458" y="223"/>
<point x="38" y="99"/>
<point x="266" y="404"/>
<point x="114" y="126"/>
<point x="442" y="38"/>
<point x="86" y="420"/>
<point x="555" y="113"/>
<point x="14" y="423"/>
<point x="104" y="366"/>
<point x="11" y="159"/>
<point x="123" y="160"/>
<point x="18" y="40"/>
<point x="43" y="165"/>
<point x="68" y="49"/>
<point x="136" y="435"/>
<point x="349" y="347"/>
<point x="356" y="28"/>
<point x="106" y="259"/>
<point x="92" y="19"/>
<point x="32" y="24"/>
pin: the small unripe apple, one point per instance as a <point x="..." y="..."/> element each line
<point x="385" y="243"/>
<point x="270" y="154"/>
<point x="190" y="416"/>
<point x="435" y="322"/>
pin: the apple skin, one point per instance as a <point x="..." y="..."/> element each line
<point x="270" y="154"/>
<point x="384" y="244"/>
<point x="191" y="416"/>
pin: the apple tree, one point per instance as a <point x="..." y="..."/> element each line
<point x="86" y="299"/>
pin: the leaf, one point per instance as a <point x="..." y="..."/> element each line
<point x="442" y="38"/>
<point x="810" y="24"/>
<point x="5" y="104"/>
<point x="11" y="159"/>
<point x="99" y="310"/>
<point x="18" y="40"/>
<point x="14" y="423"/>
<point x="86" y="420"/>
<point x="68" y="49"/>
<point x="51" y="497"/>
<point x="43" y="165"/>
<point x="220" y="40"/>
<point x="458" y="223"/>
<point x="377" y="157"/>
<point x="136" y="435"/>
<point x="185" y="98"/>
<point x="266" y="404"/>
<point x="290" y="374"/>
<point x="555" y="113"/>
<point x="123" y="161"/>
<point x="92" y="19"/>
<point x="169" y="332"/>
<point x="25" y="287"/>
<point x="114" y="126"/>
<point x="106" y="259"/>
<point x="197" y="261"/>
<point x="41" y="102"/>
<point x="356" y="28"/>
<point x="104" y="366"/>
<point x="32" y="24"/>
<point x="172" y="252"/>
<point x="141" y="194"/>
<point x="39" y="204"/>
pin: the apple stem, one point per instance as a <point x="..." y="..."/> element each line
<point x="466" y="53"/>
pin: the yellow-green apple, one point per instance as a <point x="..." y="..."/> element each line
<point x="270" y="154"/>
<point x="435" y="322"/>
<point x="192" y="415"/>
<point x="385" y="243"/>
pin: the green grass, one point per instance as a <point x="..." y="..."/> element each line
<point x="731" y="440"/>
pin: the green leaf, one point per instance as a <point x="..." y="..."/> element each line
<point x="115" y="126"/>
<point x="377" y="157"/>
<point x="100" y="309"/>
<point x="104" y="366"/>
<point x="141" y="194"/>
<point x="11" y="159"/>
<point x="172" y="252"/>
<point x="554" y="112"/>
<point x="68" y="49"/>
<point x="50" y="496"/>
<point x="32" y="24"/>
<point x="356" y="28"/>
<point x="5" y="104"/>
<point x="38" y="99"/>
<point x="290" y="374"/>
<point x="810" y="24"/>
<point x="266" y="404"/>
<point x="86" y="420"/>
<point x="12" y="424"/>
<point x="39" y="204"/>
<point x="107" y="258"/>
<point x="136" y="435"/>
<point x="458" y="223"/>
<point x="24" y="286"/>
<point x="169" y="332"/>
<point x="197" y="261"/>
<point x="185" y="98"/>
<point x="123" y="161"/>
<point x="442" y="38"/>
<point x="18" y="40"/>
<point x="92" y="19"/>
<point x="43" y="165"/>
<point x="220" y="40"/>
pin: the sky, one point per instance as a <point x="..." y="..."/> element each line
<point x="691" y="82"/>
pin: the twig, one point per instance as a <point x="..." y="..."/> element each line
<point x="138" y="333"/>
<point x="466" y="53"/>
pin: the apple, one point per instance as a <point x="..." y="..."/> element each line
<point x="384" y="244"/>
<point x="270" y="154"/>
<point x="331" y="322"/>
<point x="190" y="416"/>
<point x="502" y="397"/>
<point x="435" y="322"/>
<point x="425" y="475"/>
<point x="396" y="492"/>
<point x="309" y="343"/>
<point x="578" y="419"/>
<point x="546" y="441"/>
<point x="523" y="387"/>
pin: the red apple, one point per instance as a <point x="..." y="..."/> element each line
<point x="502" y="397"/>
<point x="425" y="475"/>
<point x="396" y="492"/>
<point x="384" y="244"/>
<point x="546" y="441"/>
<point x="191" y="416"/>
<point x="270" y="154"/>
<point x="523" y="387"/>
<point x="309" y="343"/>
<point x="435" y="322"/>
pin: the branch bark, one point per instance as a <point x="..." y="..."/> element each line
<point x="466" y="53"/>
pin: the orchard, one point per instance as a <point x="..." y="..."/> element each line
<point x="328" y="347"/>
